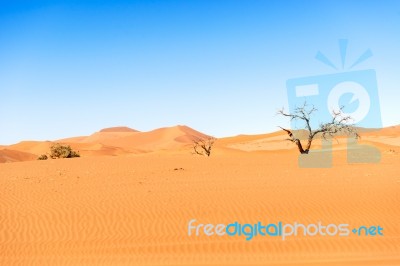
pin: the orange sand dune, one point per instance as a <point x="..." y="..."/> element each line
<point x="134" y="210"/>
<point x="105" y="137"/>
<point x="34" y="147"/>
<point x="118" y="129"/>
<point x="389" y="136"/>
<point x="115" y="141"/>
<point x="7" y="156"/>
<point x="263" y="142"/>
<point x="98" y="149"/>
<point x="163" y="138"/>
<point x="123" y="140"/>
<point x="391" y="131"/>
<point x="386" y="139"/>
<point x="391" y="141"/>
<point x="101" y="136"/>
<point x="71" y="140"/>
<point x="246" y="138"/>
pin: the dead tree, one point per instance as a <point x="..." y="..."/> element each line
<point x="339" y="124"/>
<point x="203" y="146"/>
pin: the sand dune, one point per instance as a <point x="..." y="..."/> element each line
<point x="34" y="147"/>
<point x="123" y="141"/>
<point x="7" y="156"/>
<point x="389" y="136"/>
<point x="71" y="140"/>
<point x="163" y="138"/>
<point x="98" y="149"/>
<point x="263" y="142"/>
<point x="112" y="142"/>
<point x="391" y="131"/>
<point x="118" y="129"/>
<point x="386" y="139"/>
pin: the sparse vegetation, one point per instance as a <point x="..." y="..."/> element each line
<point x="62" y="151"/>
<point x="58" y="151"/>
<point x="203" y="146"/>
<point x="43" y="157"/>
<point x="340" y="123"/>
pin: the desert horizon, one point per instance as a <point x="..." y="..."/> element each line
<point x="122" y="140"/>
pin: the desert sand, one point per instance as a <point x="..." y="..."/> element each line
<point x="129" y="198"/>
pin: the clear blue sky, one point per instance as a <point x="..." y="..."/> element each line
<point x="70" y="68"/>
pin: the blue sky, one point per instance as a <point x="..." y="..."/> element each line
<point x="70" y="68"/>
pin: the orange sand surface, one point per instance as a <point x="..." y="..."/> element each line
<point x="134" y="209"/>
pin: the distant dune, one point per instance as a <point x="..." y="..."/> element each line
<point x="34" y="147"/>
<point x="115" y="141"/>
<point x="7" y="155"/>
<point x="118" y="129"/>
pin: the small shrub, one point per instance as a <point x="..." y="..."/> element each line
<point x="62" y="151"/>
<point x="43" y="157"/>
<point x="203" y="146"/>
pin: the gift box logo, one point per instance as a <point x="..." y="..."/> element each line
<point x="356" y="91"/>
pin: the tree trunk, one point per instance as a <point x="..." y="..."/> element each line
<point x="300" y="147"/>
<point x="297" y="141"/>
<point x="310" y="139"/>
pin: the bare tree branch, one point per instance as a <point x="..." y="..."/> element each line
<point x="203" y="146"/>
<point x="340" y="123"/>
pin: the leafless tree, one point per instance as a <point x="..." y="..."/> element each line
<point x="339" y="124"/>
<point x="203" y="146"/>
